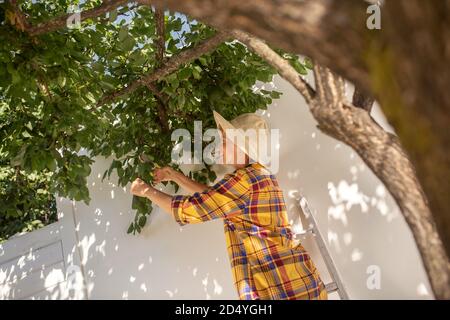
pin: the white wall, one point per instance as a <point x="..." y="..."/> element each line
<point x="359" y="218"/>
<point x="43" y="264"/>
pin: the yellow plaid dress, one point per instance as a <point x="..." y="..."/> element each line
<point x="264" y="260"/>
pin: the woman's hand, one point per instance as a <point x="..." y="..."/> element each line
<point x="170" y="174"/>
<point x="164" y="174"/>
<point x="140" y="188"/>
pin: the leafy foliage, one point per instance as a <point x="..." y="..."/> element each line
<point x="25" y="201"/>
<point x="50" y="86"/>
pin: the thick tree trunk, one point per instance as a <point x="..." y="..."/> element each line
<point x="411" y="78"/>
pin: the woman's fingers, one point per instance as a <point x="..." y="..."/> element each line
<point x="156" y="179"/>
<point x="156" y="176"/>
<point x="161" y="174"/>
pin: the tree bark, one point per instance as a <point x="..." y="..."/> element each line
<point x="160" y="50"/>
<point x="411" y="78"/>
<point x="160" y="105"/>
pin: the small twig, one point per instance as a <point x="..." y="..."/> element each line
<point x="19" y="17"/>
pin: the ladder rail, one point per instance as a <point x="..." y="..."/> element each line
<point x="336" y="284"/>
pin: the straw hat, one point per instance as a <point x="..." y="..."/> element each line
<point x="240" y="126"/>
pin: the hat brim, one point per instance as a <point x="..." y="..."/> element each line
<point x="224" y="124"/>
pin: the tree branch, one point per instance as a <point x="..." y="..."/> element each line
<point x="360" y="100"/>
<point x="162" y="112"/>
<point x="160" y="34"/>
<point x="334" y="33"/>
<point x="61" y="22"/>
<point x="160" y="50"/>
<point x="330" y="87"/>
<point x="41" y="81"/>
<point x="169" y="66"/>
<point x="281" y="65"/>
<point x="157" y="93"/>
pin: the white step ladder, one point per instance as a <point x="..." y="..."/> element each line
<point x="336" y="284"/>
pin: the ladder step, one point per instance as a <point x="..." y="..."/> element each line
<point x="331" y="287"/>
<point x="306" y="231"/>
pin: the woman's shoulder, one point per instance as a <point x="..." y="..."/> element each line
<point x="239" y="178"/>
<point x="253" y="177"/>
<point x="257" y="169"/>
<point x="258" y="176"/>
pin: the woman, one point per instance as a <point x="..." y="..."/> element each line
<point x="264" y="260"/>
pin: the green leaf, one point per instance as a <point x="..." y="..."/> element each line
<point x="212" y="176"/>
<point x="123" y="33"/>
<point x="308" y="63"/>
<point x="203" y="61"/>
<point x="181" y="100"/>
<point x="18" y="159"/>
<point x="107" y="85"/>
<point x="139" y="204"/>
<point x="196" y="72"/>
<point x="29" y="125"/>
<point x="25" y="134"/>
<point x="15" y="77"/>
<point x="51" y="164"/>
<point x="130" y="228"/>
<point x="299" y="67"/>
<point x="113" y="15"/>
<point x="184" y="74"/>
<point x="228" y="90"/>
<point x="62" y="81"/>
<point x="90" y="97"/>
<point x="142" y="221"/>
<point x="128" y="43"/>
<point x="275" y="94"/>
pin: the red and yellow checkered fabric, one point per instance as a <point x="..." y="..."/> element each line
<point x="265" y="262"/>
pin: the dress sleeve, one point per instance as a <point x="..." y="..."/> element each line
<point x="227" y="197"/>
